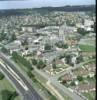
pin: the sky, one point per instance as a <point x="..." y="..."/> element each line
<point x="14" y="4"/>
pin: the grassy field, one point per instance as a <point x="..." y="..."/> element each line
<point x="90" y="95"/>
<point x="87" y="48"/>
<point x="5" y="85"/>
<point x="88" y="41"/>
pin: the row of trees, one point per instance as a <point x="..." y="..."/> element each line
<point x="82" y="31"/>
<point x="42" y="64"/>
<point x="61" y="45"/>
<point x="22" y="60"/>
<point x="9" y="38"/>
<point x="39" y="63"/>
<point x="31" y="76"/>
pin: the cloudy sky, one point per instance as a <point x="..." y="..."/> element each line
<point x="41" y="3"/>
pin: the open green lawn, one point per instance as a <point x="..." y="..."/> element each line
<point x="87" y="48"/>
<point x="90" y="95"/>
<point x="88" y="42"/>
<point x="18" y="98"/>
<point x="5" y="85"/>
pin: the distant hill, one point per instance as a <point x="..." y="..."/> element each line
<point x="47" y="9"/>
<point x="68" y="8"/>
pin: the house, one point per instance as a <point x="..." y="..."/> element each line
<point x="28" y="28"/>
<point x="86" y="87"/>
<point x="67" y="77"/>
<point x="81" y="72"/>
<point x="73" y="60"/>
<point x="88" y="22"/>
<point x="14" y="46"/>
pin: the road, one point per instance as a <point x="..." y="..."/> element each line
<point x="29" y="93"/>
<point x="53" y="80"/>
<point x="57" y="76"/>
<point x="59" y="87"/>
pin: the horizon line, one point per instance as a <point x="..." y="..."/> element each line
<point x="46" y="7"/>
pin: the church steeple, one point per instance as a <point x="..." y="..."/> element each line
<point x="61" y="32"/>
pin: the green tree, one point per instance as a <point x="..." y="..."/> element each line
<point x="94" y="27"/>
<point x="62" y="56"/>
<point x="68" y="59"/>
<point x="8" y="95"/>
<point x="2" y="36"/>
<point x="62" y="45"/>
<point x="82" y="31"/>
<point x="34" y="61"/>
<point x="13" y="37"/>
<point x="65" y="46"/>
<point x="1" y="76"/>
<point x="30" y="74"/>
<point x="22" y="60"/>
<point x="14" y="95"/>
<point x="72" y="83"/>
<point x="64" y="82"/>
<point x="80" y="59"/>
<point x="54" y="66"/>
<point x="4" y="50"/>
<point x="48" y="46"/>
<point x="41" y="64"/>
<point x="80" y="78"/>
<point x="25" y="42"/>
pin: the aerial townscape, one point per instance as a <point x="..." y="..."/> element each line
<point x="48" y="53"/>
